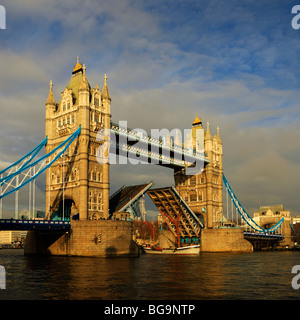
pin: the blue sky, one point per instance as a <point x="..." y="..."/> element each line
<point x="234" y="62"/>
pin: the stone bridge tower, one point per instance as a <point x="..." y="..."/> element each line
<point x="77" y="183"/>
<point x="203" y="191"/>
<point x="268" y="216"/>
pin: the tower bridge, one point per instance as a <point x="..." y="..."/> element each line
<point x="81" y="142"/>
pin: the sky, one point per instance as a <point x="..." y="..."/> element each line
<point x="234" y="62"/>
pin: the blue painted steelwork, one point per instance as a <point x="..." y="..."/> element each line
<point x="30" y="154"/>
<point x="65" y="145"/>
<point x="46" y="225"/>
<point x="244" y="213"/>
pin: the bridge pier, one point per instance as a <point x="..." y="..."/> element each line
<point x="97" y="238"/>
<point x="224" y="240"/>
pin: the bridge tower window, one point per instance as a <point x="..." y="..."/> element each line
<point x="193" y="181"/>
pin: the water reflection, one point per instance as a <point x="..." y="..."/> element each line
<point x="258" y="275"/>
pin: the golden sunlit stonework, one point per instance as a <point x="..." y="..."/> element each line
<point x="83" y="182"/>
<point x="77" y="177"/>
<point x="203" y="192"/>
<point x="268" y="216"/>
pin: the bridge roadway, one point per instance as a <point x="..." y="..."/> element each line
<point x="45" y="225"/>
<point x="262" y="236"/>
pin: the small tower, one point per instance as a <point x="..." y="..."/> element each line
<point x="77" y="184"/>
<point x="50" y="109"/>
<point x="203" y="192"/>
<point x="106" y="100"/>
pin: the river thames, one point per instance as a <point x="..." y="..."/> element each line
<point x="258" y="275"/>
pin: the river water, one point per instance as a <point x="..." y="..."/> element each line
<point x="258" y="275"/>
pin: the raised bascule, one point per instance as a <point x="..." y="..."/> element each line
<point x="83" y="219"/>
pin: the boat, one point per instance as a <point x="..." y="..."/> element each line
<point x="296" y="247"/>
<point x="188" y="250"/>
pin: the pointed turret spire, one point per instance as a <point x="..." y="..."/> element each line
<point x="207" y="135"/>
<point x="84" y="85"/>
<point x="218" y="135"/>
<point x="50" y="99"/>
<point x="84" y="90"/>
<point x="178" y="141"/>
<point x="105" y="93"/>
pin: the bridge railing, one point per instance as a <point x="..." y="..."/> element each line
<point x="179" y="152"/>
